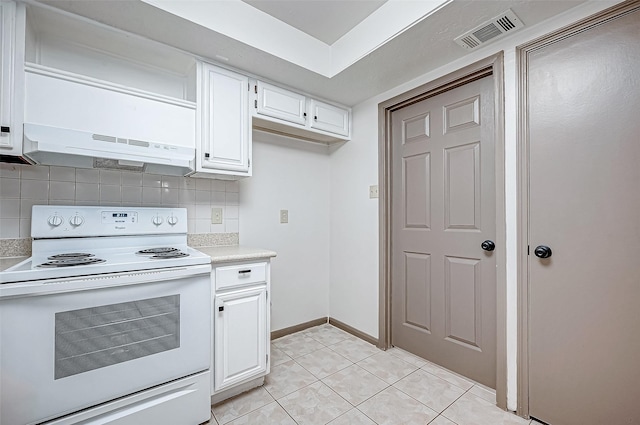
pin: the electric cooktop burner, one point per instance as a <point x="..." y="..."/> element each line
<point x="70" y="255"/>
<point x="161" y="250"/>
<point x="172" y="254"/>
<point x="163" y="253"/>
<point x="70" y="262"/>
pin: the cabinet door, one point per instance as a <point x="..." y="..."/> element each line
<point x="240" y="336"/>
<point x="279" y="103"/>
<point x="12" y="24"/>
<point x="225" y="126"/>
<point x="329" y="118"/>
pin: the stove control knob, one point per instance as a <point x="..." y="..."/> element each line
<point x="55" y="220"/>
<point x="157" y="220"/>
<point x="172" y="220"/>
<point x="76" y="220"/>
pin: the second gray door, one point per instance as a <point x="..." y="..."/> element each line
<point x="584" y="205"/>
<point x="443" y="284"/>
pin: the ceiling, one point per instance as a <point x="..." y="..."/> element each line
<point x="345" y="51"/>
<point x="325" y="20"/>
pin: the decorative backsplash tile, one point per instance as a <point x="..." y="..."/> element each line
<point x="22" y="186"/>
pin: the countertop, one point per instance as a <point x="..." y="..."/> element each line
<point x="6" y="262"/>
<point x="231" y="253"/>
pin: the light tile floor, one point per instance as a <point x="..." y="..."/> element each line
<point x="324" y="375"/>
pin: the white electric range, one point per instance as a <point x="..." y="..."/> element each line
<point x="107" y="322"/>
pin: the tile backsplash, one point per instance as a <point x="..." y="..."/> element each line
<point x="22" y="186"/>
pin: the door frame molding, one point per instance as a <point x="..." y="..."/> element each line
<point x="493" y="66"/>
<point x="523" y="143"/>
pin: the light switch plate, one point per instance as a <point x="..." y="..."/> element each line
<point x="373" y="191"/>
<point x="284" y="216"/>
<point x="216" y="215"/>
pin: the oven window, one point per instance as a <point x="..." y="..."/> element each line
<point x="96" y="337"/>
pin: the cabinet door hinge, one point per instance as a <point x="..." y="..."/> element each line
<point x="255" y="104"/>
<point x="267" y="356"/>
<point x="256" y="88"/>
<point x="249" y="162"/>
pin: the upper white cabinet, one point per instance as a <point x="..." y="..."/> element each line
<point x="283" y="111"/>
<point x="12" y="31"/>
<point x="329" y="118"/>
<point x="279" y="103"/>
<point x="223" y="124"/>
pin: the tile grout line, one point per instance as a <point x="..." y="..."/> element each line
<point x="286" y="411"/>
<point x="370" y="418"/>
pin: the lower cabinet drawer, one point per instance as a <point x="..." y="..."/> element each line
<point x="240" y="275"/>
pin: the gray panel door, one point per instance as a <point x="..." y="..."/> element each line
<point x="584" y="203"/>
<point x="443" y="285"/>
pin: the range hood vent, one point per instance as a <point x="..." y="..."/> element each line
<point x="47" y="145"/>
<point x="506" y="22"/>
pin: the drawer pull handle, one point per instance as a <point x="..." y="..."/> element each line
<point x="244" y="272"/>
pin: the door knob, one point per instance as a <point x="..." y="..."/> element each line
<point x="488" y="245"/>
<point x="542" y="251"/>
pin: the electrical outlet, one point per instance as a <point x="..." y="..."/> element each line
<point x="373" y="191"/>
<point x="216" y="215"/>
<point x="284" y="216"/>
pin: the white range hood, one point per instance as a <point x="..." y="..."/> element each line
<point x="76" y="121"/>
<point x="47" y="145"/>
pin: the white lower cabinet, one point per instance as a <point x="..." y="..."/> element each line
<point x="240" y="336"/>
<point x="241" y="326"/>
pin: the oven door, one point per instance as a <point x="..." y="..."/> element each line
<point x="68" y="344"/>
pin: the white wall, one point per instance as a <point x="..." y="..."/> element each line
<point x="293" y="175"/>
<point x="354" y="232"/>
<point x="354" y="225"/>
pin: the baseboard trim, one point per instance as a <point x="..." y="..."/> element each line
<point x="353" y="331"/>
<point x="321" y="321"/>
<point x="297" y="328"/>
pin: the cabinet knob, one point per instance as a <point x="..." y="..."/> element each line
<point x="221" y="308"/>
<point x="315" y="117"/>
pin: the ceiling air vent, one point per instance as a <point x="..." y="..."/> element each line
<point x="506" y="22"/>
